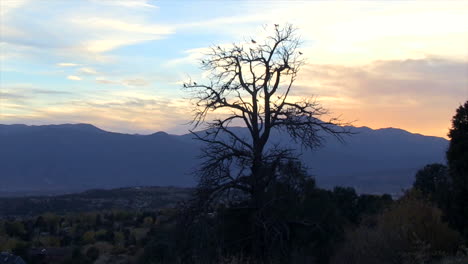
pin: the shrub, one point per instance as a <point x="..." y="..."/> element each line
<point x="88" y="237"/>
<point x="411" y="231"/>
<point x="92" y="253"/>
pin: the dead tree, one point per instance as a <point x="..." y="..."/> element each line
<point x="249" y="85"/>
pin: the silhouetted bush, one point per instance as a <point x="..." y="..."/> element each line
<point x="433" y="182"/>
<point x="162" y="246"/>
<point x="411" y="231"/>
<point x="92" y="253"/>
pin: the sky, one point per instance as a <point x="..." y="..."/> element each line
<point x="120" y="64"/>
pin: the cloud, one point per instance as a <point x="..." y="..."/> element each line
<point x="73" y="78"/>
<point x="126" y="82"/>
<point x="193" y="56"/>
<point x="115" y="33"/>
<point x="127" y="3"/>
<point x="8" y="6"/>
<point x="111" y="24"/>
<point x="220" y="22"/>
<point x="79" y="32"/>
<point x="355" y="33"/>
<point x="123" y="114"/>
<point x="23" y="100"/>
<point x="11" y="96"/>
<point x="87" y="71"/>
<point x="27" y="91"/>
<point x="135" y="82"/>
<point x="50" y="92"/>
<point x="67" y="64"/>
<point x="418" y="95"/>
<point x="404" y="78"/>
<point x="103" y="81"/>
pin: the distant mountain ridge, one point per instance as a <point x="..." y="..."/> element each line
<point x="82" y="156"/>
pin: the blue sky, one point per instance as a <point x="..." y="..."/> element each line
<point x="119" y="64"/>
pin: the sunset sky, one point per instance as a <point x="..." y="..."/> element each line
<point x="119" y="64"/>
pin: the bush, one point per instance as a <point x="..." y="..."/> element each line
<point x="88" y="237"/>
<point x="92" y="253"/>
<point x="161" y="248"/>
<point x="455" y="260"/>
<point x="411" y="231"/>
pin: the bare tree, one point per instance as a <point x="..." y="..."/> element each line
<point x="250" y="85"/>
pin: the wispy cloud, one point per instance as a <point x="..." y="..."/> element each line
<point x="87" y="71"/>
<point x="135" y="82"/>
<point x="125" y="82"/>
<point x="11" y="96"/>
<point x="9" y="6"/>
<point x="67" y="64"/>
<point x="127" y="3"/>
<point x="104" y="81"/>
<point x="419" y="95"/>
<point x="50" y="92"/>
<point x="192" y="56"/>
<point x="106" y="34"/>
<point x="74" y="78"/>
<point x="80" y="35"/>
<point x="28" y="91"/>
<point x="127" y="114"/>
<point x="355" y="33"/>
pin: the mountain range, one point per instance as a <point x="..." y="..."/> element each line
<point x="75" y="157"/>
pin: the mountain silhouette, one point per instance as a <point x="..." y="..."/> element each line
<point x="73" y="157"/>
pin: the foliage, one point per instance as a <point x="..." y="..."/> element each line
<point x="433" y="182"/>
<point x="411" y="231"/>
<point x="316" y="222"/>
<point x="304" y="224"/>
<point x="88" y="237"/>
<point x="161" y="245"/>
<point x="77" y="238"/>
<point x="92" y="253"/>
<point x="457" y="158"/>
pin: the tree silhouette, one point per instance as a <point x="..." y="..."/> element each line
<point x="250" y="85"/>
<point x="457" y="157"/>
<point x="433" y="181"/>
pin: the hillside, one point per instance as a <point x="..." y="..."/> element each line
<point x="62" y="158"/>
<point x="97" y="200"/>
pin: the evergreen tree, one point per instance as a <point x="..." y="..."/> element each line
<point x="433" y="181"/>
<point x="457" y="158"/>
